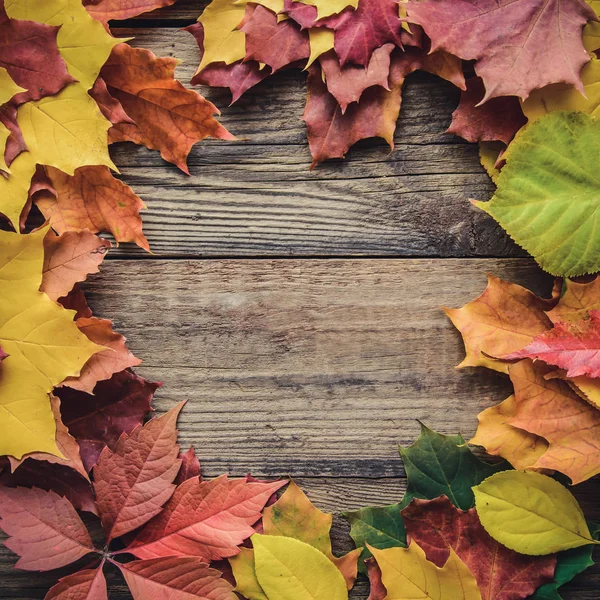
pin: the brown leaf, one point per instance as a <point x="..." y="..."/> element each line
<point x="107" y="10"/>
<point x="168" y="117"/>
<point x="69" y="258"/>
<point x="93" y="199"/>
<point x="110" y="107"/>
<point x="83" y="585"/>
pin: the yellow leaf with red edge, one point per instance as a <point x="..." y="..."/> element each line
<point x="44" y="346"/>
<point x="408" y="575"/>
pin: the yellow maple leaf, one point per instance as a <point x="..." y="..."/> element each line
<point x="321" y="41"/>
<point x="326" y="8"/>
<point x="83" y="42"/>
<point x="591" y="32"/>
<point x="223" y="42"/>
<point x="408" y="575"/>
<point x="44" y="347"/>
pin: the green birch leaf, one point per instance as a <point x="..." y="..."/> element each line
<point x="548" y="196"/>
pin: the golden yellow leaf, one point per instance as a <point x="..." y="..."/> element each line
<point x="561" y="96"/>
<point x="275" y="5"/>
<point x="14" y="190"/>
<point x="222" y="41"/>
<point x="519" y="447"/>
<point x="4" y="135"/>
<point x="325" y="8"/>
<point x="288" y="569"/>
<point x="591" y="32"/>
<point x="321" y="41"/>
<point x="530" y="513"/>
<point x="488" y="156"/>
<point x="8" y="88"/>
<point x="504" y="319"/>
<point x="66" y="131"/>
<point x="82" y="41"/>
<point x="243" y="568"/>
<point x="576" y="301"/>
<point x="44" y="346"/>
<point x="408" y="575"/>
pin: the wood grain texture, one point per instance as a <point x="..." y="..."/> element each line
<point x="257" y="196"/>
<point x="309" y="368"/>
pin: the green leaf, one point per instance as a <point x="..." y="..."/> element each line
<point x="530" y="513"/>
<point x="548" y="196"/>
<point x="435" y="465"/>
<point x="570" y="563"/>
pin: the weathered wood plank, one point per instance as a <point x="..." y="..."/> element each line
<point x="307" y="367"/>
<point x="257" y="197"/>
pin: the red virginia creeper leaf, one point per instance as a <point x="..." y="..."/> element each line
<point x="175" y="578"/>
<point x="44" y="529"/>
<point x="497" y="119"/>
<point x="118" y="406"/>
<point x="208" y="520"/>
<point x="190" y="467"/>
<point x="501" y="574"/>
<point x="518" y="46"/>
<point x="93" y="199"/>
<point x="272" y="43"/>
<point x="377" y="589"/>
<point x="107" y="10"/>
<point x="133" y="482"/>
<point x="573" y="346"/>
<point x="102" y="365"/>
<point x="83" y="585"/>
<point x="31" y="57"/>
<point x="70" y="258"/>
<point x="347" y="84"/>
<point x="168" y="117"/>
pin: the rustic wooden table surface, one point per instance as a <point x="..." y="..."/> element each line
<point x="297" y="311"/>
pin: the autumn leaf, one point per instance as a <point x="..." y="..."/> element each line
<point x="93" y="199"/>
<point x="114" y="358"/>
<point x="576" y="301"/>
<point x="84" y="43"/>
<point x="69" y="258"/>
<point x="287" y="568"/>
<point x="435" y="465"/>
<point x="107" y="10"/>
<point x="498" y="119"/>
<point x="503" y="319"/>
<point x="175" y="579"/>
<point x="509" y="40"/>
<point x="407" y="574"/>
<point x="276" y="44"/>
<point x="190" y="467"/>
<point x="207" y="520"/>
<point x="496" y="434"/>
<point x="358" y="33"/>
<point x="326" y="8"/>
<point x="550" y="409"/>
<point x="438" y="527"/>
<point x="118" y="406"/>
<point x="528" y="202"/>
<point x="31" y="59"/>
<point x="110" y="107"/>
<point x="347" y="84"/>
<point x="44" y="529"/>
<point x="32" y="329"/>
<point x="573" y="346"/>
<point x="83" y="585"/>
<point x="168" y="117"/>
<point x="66" y="443"/>
<point x="135" y="480"/>
<point x="515" y="505"/>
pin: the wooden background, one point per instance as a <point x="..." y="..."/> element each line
<point x="297" y="311"/>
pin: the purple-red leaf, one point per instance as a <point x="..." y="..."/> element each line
<point x="83" y="585"/>
<point x="118" y="406"/>
<point x="175" y="578"/>
<point x="110" y="107"/>
<point x="208" y="520"/>
<point x="44" y="529"/>
<point x="107" y="10"/>
<point x="502" y="574"/>
<point x="134" y="481"/>
<point x="190" y="467"/>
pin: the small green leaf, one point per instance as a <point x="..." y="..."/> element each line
<point x="548" y="197"/>
<point x="530" y="513"/>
